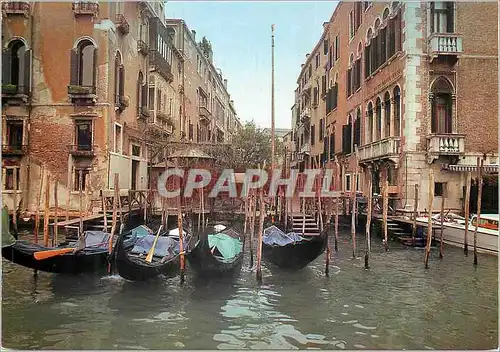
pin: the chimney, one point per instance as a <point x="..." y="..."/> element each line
<point x="194" y="34"/>
<point x="225" y="83"/>
<point x="325" y="24"/>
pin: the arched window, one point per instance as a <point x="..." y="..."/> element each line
<point x="84" y="64"/>
<point x="369" y="133"/>
<point x="442" y="106"/>
<point x="16" y="62"/>
<point x="357" y="128"/>
<point x="397" y="111"/>
<point x="140" y="83"/>
<point x="378" y="128"/>
<point x="385" y="15"/>
<point x="387" y="114"/>
<point x="119" y="79"/>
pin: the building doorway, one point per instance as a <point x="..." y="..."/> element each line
<point x="135" y="174"/>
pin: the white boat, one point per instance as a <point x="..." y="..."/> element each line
<point x="454" y="231"/>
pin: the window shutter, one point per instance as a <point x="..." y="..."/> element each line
<point x="332" y="146"/>
<point x="144" y="96"/>
<point x="383" y="45"/>
<point x="450" y="16"/>
<point x="367" y="61"/>
<point x="27" y="72"/>
<point x="73" y="68"/>
<point x="95" y="67"/>
<point x="6" y="66"/>
<point x="433" y="115"/>
<point x="397" y="32"/>
<point x="121" y="82"/>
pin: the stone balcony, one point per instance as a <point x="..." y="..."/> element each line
<point x="16" y="8"/>
<point x="85" y="8"/>
<point x="14" y="149"/>
<point x="306" y="148"/>
<point x="445" y="44"/>
<point x="205" y="114"/>
<point x="385" y="148"/>
<point x="445" y="144"/>
<point x="305" y="114"/>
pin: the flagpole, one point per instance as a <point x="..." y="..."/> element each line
<point x="272" y="109"/>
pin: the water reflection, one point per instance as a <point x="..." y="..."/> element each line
<point x="396" y="304"/>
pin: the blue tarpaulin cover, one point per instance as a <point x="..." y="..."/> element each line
<point x="166" y="246"/>
<point x="274" y="236"/>
<point x="96" y="239"/>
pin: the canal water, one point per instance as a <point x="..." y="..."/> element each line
<point x="396" y="304"/>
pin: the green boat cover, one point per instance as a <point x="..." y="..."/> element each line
<point x="7" y="238"/>
<point x="227" y="246"/>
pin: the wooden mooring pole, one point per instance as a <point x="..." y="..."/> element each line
<point x="262" y="212"/>
<point x="14" y="200"/>
<point x="353" y="215"/>
<point x="253" y="214"/>
<point x="179" y="225"/>
<point x="116" y="195"/>
<point x="467" y="201"/>
<point x="56" y="215"/>
<point x="478" y="210"/>
<point x="415" y="214"/>
<point x="442" y="224"/>
<point x="80" y="199"/>
<point x="46" y="212"/>
<point x="385" y="206"/>
<point x="38" y="199"/>
<point x="429" y="222"/>
<point x="368" y="221"/>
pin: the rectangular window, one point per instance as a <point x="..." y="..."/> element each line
<point x="8" y="183"/>
<point x="313" y="134"/>
<point x="158" y="100"/>
<point x="76" y="179"/>
<point x="351" y="25"/>
<point x="323" y="85"/>
<point x="118" y="140"/>
<point x="337" y="47"/>
<point x="357" y="14"/>
<point x="332" y="146"/>
<point x="136" y="150"/>
<point x="347" y="182"/>
<point x="442" y="17"/>
<point x="84" y="135"/>
<point x="15" y="134"/>
<point x="321" y="128"/>
<point x="439" y="188"/>
<point x="151" y="102"/>
<point x="317" y="60"/>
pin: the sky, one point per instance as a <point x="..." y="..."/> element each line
<point x="240" y="33"/>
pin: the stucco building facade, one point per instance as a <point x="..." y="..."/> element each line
<point x="89" y="90"/>
<point x="400" y="90"/>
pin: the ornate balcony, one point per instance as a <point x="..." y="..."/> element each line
<point x="387" y="148"/>
<point x="445" y="44"/>
<point x="305" y="115"/>
<point x="14" y="94"/>
<point x="306" y="148"/>
<point x="82" y="94"/>
<point x="14" y="150"/>
<point x="121" y="102"/>
<point x="142" y="47"/>
<point x="86" y="8"/>
<point x="82" y="150"/>
<point x="158" y="63"/>
<point x="445" y="144"/>
<point x="205" y="114"/>
<point x="122" y="24"/>
<point x="16" y="8"/>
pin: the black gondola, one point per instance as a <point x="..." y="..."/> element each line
<point x="72" y="257"/>
<point x="291" y="251"/>
<point x="217" y="254"/>
<point x="130" y="257"/>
